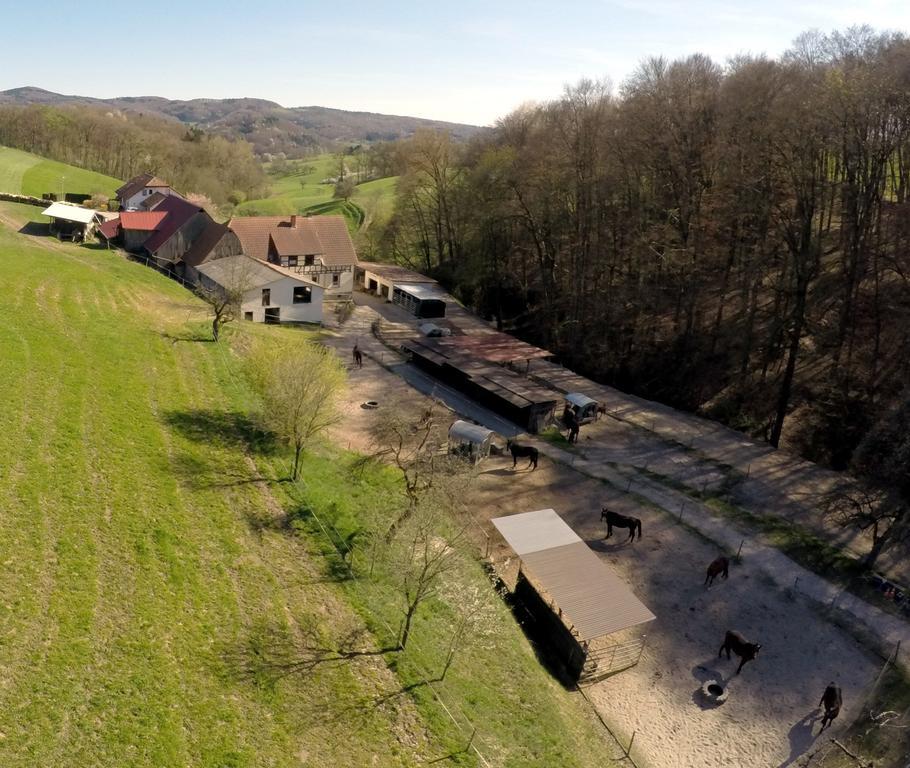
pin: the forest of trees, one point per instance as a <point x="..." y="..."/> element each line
<point x="729" y="240"/>
<point x="122" y="145"/>
<point x="732" y="240"/>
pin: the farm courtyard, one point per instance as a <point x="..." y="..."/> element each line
<point x="771" y="718"/>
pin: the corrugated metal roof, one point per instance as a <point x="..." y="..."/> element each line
<point x="69" y="212"/>
<point x="468" y="432"/>
<point x="577" y="398"/>
<point x="592" y="599"/>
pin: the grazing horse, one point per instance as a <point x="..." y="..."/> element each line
<point x="740" y="646"/>
<point x="620" y="521"/>
<point x="832" y="701"/>
<point x="720" y="566"/>
<point x="358" y="357"/>
<point x="523" y="450"/>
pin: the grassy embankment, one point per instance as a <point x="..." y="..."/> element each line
<point x="22" y="173"/>
<point x="298" y="188"/>
<point x="142" y="564"/>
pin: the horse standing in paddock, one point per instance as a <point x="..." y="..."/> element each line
<point x="601" y="411"/>
<point x="620" y="521"/>
<point x="523" y="450"/>
<point x="734" y="641"/>
<point x="358" y="357"/>
<point x="832" y="701"/>
<point x="720" y="566"/>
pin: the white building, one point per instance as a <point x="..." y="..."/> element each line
<point x="271" y="294"/>
<point x="140" y="189"/>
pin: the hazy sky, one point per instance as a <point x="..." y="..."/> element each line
<point x="465" y="61"/>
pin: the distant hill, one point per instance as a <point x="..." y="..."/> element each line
<point x="268" y="126"/>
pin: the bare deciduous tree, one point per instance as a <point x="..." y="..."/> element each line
<point x="300" y="385"/>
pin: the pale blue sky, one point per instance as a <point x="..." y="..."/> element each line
<point x="468" y="61"/>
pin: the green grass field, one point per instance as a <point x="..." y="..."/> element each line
<point x="299" y="189"/>
<point x="25" y="174"/>
<point x="141" y="564"/>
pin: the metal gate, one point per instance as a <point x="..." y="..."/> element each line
<point x="603" y="662"/>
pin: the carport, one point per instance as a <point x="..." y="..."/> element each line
<point x="574" y="594"/>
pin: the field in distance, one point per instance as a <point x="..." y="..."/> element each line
<point x="22" y="173"/>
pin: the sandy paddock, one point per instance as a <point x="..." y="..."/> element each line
<point x="771" y="718"/>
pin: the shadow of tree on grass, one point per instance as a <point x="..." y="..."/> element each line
<point x="224" y="428"/>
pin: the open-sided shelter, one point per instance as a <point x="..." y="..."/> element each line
<point x="572" y="592"/>
<point x="71" y="222"/>
<point x="470" y="440"/>
<point x="585" y="407"/>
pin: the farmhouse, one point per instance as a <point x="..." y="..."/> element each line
<point x="317" y="247"/>
<point x="171" y="239"/>
<point x="271" y="294"/>
<point x="140" y="188"/>
<point x="72" y="222"/>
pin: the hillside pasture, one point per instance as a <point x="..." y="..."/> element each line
<point x="150" y="558"/>
<point x="296" y="187"/>
<point x="26" y="174"/>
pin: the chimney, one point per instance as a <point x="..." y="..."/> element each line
<point x="294" y="221"/>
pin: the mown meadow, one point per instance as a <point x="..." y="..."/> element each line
<point x="153" y="565"/>
<point x="22" y="173"/>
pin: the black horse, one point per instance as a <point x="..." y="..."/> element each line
<point x="620" y="521"/>
<point x="734" y="641"/>
<point x="832" y="700"/>
<point x="528" y="451"/>
<point x="719" y="567"/>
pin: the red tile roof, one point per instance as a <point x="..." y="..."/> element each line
<point x="295" y="241"/>
<point x="145" y="221"/>
<point x="331" y="232"/>
<point x="110" y="229"/>
<point x="178" y="211"/>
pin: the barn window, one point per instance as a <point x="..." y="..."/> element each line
<point x="308" y="261"/>
<point x="247" y="315"/>
<point x="266" y="297"/>
<point x="303" y="294"/>
<point x="335" y="278"/>
<point x="292" y="261"/>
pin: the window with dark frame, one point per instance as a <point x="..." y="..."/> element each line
<point x="266" y="296"/>
<point x="336" y="278"/>
<point x="292" y="261"/>
<point x="303" y="294"/>
<point x="308" y="260"/>
<point x="247" y="315"/>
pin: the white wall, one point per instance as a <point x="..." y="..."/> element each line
<point x="133" y="202"/>
<point x="282" y="296"/>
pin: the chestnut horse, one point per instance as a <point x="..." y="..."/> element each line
<point x="720" y="566"/>
<point x="620" y="521"/>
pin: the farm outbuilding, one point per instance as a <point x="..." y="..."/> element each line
<point x="72" y="222"/>
<point x="381" y="279"/>
<point x="499" y="389"/>
<point x="470" y="440"/>
<point x="573" y="594"/>
<point x="422" y="301"/>
<point x="585" y="407"/>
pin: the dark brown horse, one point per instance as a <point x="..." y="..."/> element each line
<point x="620" y="521"/>
<point x="528" y="451"/>
<point x="720" y="566"/>
<point x="832" y="701"/>
<point x="734" y="641"/>
<point x="358" y="357"/>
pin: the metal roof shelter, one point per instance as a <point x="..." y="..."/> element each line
<point x="468" y="432"/>
<point x="67" y="212"/>
<point x="580" y="400"/>
<point x="590" y="596"/>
